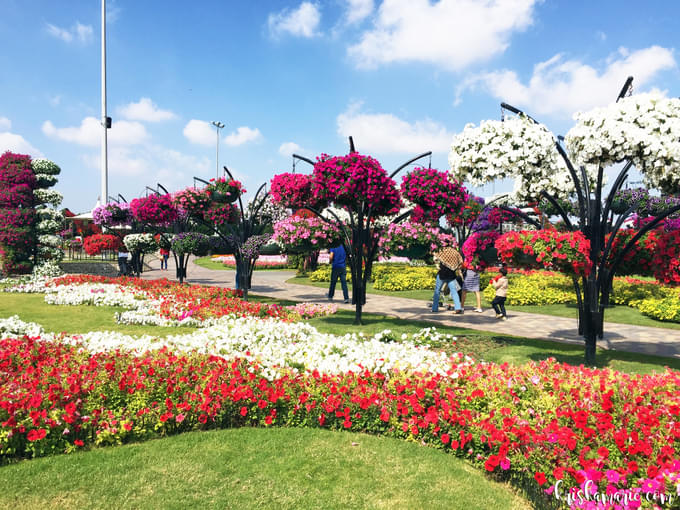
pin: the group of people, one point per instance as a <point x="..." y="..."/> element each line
<point x="453" y="276"/>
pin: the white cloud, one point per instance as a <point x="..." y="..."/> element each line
<point x="199" y="132"/>
<point x="90" y="130"/>
<point x="84" y="32"/>
<point x="561" y="87"/>
<point x="386" y="133"/>
<point x="289" y="148"/>
<point x="154" y="164"/>
<point x="449" y="33"/>
<point x="242" y="135"/>
<point x="18" y="144"/>
<point x="302" y="22"/>
<point x="358" y="10"/>
<point x="145" y="110"/>
<point x="5" y="124"/>
<point x="78" y="32"/>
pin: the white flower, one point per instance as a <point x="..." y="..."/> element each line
<point x="644" y="128"/>
<point x="515" y="147"/>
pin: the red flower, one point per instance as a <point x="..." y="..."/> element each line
<point x="539" y="476"/>
<point x="36" y="434"/>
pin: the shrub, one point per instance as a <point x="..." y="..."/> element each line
<point x="536" y="288"/>
<point x="95" y="244"/>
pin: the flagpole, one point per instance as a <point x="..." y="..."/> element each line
<point x="104" y="198"/>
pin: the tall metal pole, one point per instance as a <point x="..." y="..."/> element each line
<point x="105" y="175"/>
<point x="218" y="125"/>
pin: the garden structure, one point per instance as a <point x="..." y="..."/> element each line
<point x="637" y="130"/>
<point x="364" y="199"/>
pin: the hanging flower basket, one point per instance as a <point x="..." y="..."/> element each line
<point x="489" y="255"/>
<point x="225" y="191"/>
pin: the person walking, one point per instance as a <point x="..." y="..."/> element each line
<point x="122" y="263"/>
<point x="450" y="261"/>
<point x="471" y="284"/>
<point x="165" y="253"/>
<point x="500" y="283"/>
<point x="338" y="259"/>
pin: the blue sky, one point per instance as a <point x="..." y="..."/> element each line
<point x="401" y="76"/>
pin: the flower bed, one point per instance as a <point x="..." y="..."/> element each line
<point x="546" y="425"/>
<point x="161" y="302"/>
<point x="263" y="261"/>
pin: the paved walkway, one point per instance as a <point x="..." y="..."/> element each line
<point x="621" y="337"/>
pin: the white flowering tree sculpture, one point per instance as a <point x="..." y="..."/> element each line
<point x="641" y="130"/>
<point x="364" y="200"/>
<point x="50" y="219"/>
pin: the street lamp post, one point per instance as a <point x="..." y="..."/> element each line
<point x="218" y="125"/>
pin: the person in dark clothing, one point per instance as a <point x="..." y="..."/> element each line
<point x="338" y="258"/>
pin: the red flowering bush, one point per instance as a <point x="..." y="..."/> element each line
<point x="479" y="249"/>
<point x="97" y="243"/>
<point x="434" y="192"/>
<point x="667" y="258"/>
<point x="567" y="252"/>
<point x="354" y="178"/>
<point x="154" y="209"/>
<point x="638" y="260"/>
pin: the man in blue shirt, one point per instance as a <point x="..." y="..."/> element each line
<point x="338" y="269"/>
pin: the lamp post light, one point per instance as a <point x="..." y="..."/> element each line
<point x="218" y="125"/>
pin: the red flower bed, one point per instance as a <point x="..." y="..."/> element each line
<point x="179" y="301"/>
<point x="541" y="423"/>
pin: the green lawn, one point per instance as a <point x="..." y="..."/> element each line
<point x="74" y="319"/>
<point x="255" y="468"/>
<point x="615" y="314"/>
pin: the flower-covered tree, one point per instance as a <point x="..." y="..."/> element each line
<point x="640" y="130"/>
<point x="50" y="219"/>
<point x="364" y="198"/>
<point x="17" y="214"/>
<point x="243" y="230"/>
<point x="139" y="245"/>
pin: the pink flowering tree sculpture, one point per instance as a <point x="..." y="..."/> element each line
<point x="363" y="198"/>
<point x="434" y="194"/>
<point x="219" y="208"/>
<point x="159" y="213"/>
<point x="17" y="214"/>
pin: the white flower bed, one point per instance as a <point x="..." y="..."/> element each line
<point x="275" y="345"/>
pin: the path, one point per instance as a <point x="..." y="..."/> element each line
<point x="621" y="337"/>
